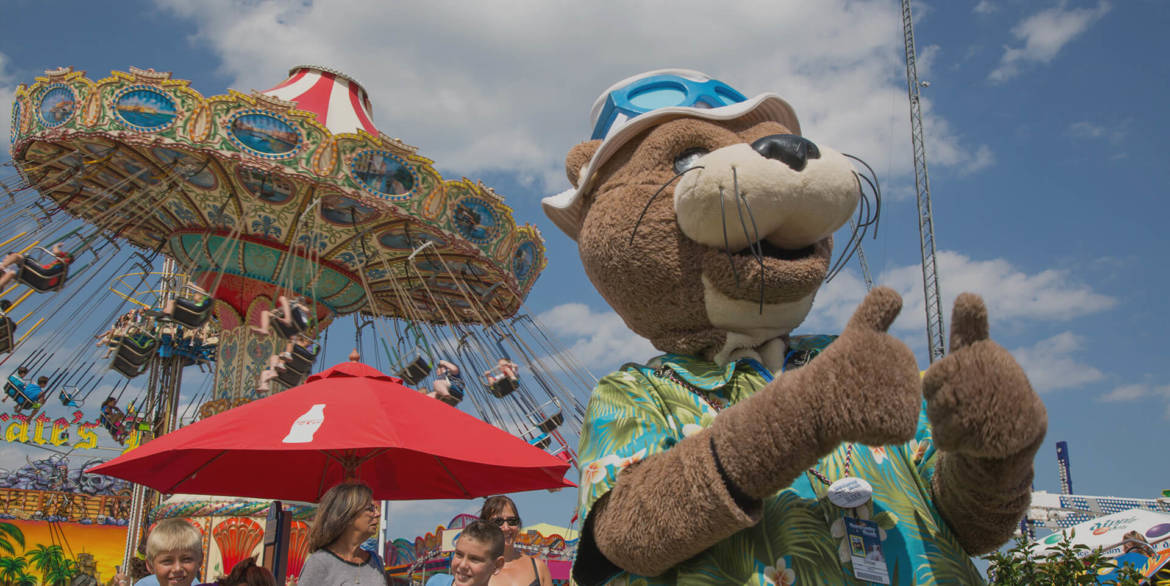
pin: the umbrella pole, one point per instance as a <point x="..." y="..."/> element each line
<point x="350" y="462"/>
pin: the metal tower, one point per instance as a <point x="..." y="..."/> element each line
<point x="861" y="261"/>
<point x="934" y="321"/>
<point x="1063" y="468"/>
<point x="161" y="406"/>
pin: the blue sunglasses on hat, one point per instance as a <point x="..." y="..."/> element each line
<point x="661" y="91"/>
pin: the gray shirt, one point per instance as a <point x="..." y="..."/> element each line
<point x="324" y="568"/>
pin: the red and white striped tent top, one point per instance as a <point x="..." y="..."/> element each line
<point x="340" y="103"/>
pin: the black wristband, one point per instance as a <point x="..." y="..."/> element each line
<point x="745" y="502"/>
<point x="591" y="566"/>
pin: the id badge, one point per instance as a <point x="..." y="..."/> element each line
<point x="865" y="548"/>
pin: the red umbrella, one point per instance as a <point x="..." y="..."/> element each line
<point x="350" y="421"/>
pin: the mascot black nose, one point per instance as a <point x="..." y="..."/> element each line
<point x="792" y="150"/>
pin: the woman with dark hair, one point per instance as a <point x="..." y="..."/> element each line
<point x="247" y="573"/>
<point x="519" y="569"/>
<point x="346" y="517"/>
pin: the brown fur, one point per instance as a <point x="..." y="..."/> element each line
<point x="988" y="424"/>
<point x="690" y="473"/>
<point x="652" y="282"/>
<point x="863" y="388"/>
<point x="864" y="363"/>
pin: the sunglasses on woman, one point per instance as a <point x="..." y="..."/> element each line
<point x="513" y="521"/>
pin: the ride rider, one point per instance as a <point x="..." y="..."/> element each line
<point x="292" y="317"/>
<point x="13" y="261"/>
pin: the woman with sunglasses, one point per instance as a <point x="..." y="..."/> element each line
<point x="519" y="569"/>
<point x="346" y="517"/>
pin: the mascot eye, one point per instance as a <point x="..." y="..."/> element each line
<point x="688" y="158"/>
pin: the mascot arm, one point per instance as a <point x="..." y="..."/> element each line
<point x="662" y="511"/>
<point x="988" y="424"/>
<point x="677" y="503"/>
<point x="651" y="491"/>
<point x="983" y="500"/>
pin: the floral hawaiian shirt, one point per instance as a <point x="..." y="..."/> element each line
<point x="642" y="410"/>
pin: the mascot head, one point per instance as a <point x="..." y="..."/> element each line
<point x="703" y="217"/>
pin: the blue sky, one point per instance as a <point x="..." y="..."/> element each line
<point x="1047" y="133"/>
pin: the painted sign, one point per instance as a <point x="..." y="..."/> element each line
<point x="73" y="433"/>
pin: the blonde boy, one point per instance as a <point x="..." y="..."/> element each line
<point x="174" y="553"/>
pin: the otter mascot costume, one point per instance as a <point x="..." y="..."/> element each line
<point x="747" y="454"/>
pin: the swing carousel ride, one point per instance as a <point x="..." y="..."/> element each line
<point x="228" y="233"/>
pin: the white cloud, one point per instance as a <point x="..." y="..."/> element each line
<point x="945" y="147"/>
<point x="1043" y="35"/>
<point x="925" y="60"/>
<point x="1130" y="392"/>
<point x="982" y="159"/>
<point x="1051" y="364"/>
<point x="598" y="339"/>
<point x="1115" y="134"/>
<point x="1011" y="294"/>
<point x="984" y="7"/>
<point x="477" y="88"/>
<point x="835" y="303"/>
<point x="1139" y="392"/>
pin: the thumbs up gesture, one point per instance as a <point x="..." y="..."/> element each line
<point x="978" y="398"/>
<point x="868" y="380"/>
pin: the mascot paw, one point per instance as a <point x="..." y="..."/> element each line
<point x="871" y="383"/>
<point x="978" y="398"/>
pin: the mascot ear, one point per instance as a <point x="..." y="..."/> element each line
<point x="578" y="157"/>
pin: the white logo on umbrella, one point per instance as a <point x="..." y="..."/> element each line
<point x="306" y="425"/>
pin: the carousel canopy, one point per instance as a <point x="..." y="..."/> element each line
<point x="339" y="102"/>
<point x="292" y="189"/>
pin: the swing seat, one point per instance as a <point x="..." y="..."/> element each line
<point x="40" y="279"/>
<point x="192" y="314"/>
<point x="298" y="323"/>
<point x="503" y="387"/>
<point x="119" y="433"/>
<point x="414" y="372"/>
<point x="136" y="349"/>
<point x="541" y="441"/>
<point x="302" y="359"/>
<point x="112" y="419"/>
<point x="289" y="377"/>
<point x="7" y="328"/>
<point x="66" y="399"/>
<point x="127" y="368"/>
<point x="552" y="422"/>
<point x="16" y="391"/>
<point x="456" y="391"/>
<point x="110" y="426"/>
<point x="13" y="384"/>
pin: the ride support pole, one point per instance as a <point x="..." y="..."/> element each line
<point x="30" y="246"/>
